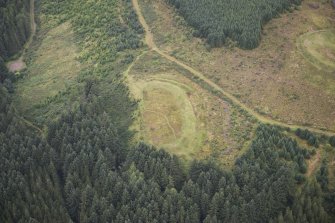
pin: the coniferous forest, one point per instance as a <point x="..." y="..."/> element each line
<point x="241" y="21"/>
<point x="83" y="168"/>
<point x="14" y="26"/>
<point x="85" y="171"/>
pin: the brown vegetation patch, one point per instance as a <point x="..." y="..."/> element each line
<point x="274" y="79"/>
<point x="221" y="131"/>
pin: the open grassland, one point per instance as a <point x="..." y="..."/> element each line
<point x="318" y="48"/>
<point x="178" y="115"/>
<point x="168" y="119"/>
<point x="53" y="69"/>
<point x="275" y="79"/>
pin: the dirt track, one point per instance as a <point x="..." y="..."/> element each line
<point x="149" y="39"/>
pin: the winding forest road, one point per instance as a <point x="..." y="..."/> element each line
<point x="149" y="39"/>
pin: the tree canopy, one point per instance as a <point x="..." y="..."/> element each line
<point x="239" y="20"/>
<point x="14" y="26"/>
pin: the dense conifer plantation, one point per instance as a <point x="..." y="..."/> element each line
<point x="29" y="185"/>
<point x="239" y="20"/>
<point x="14" y="26"/>
<point x="84" y="171"/>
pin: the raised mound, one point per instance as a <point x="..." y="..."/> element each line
<point x="319" y="49"/>
<point x="168" y="119"/>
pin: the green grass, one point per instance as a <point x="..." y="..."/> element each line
<point x="53" y="69"/>
<point x="211" y="127"/>
<point x="167" y="118"/>
<point x="319" y="49"/>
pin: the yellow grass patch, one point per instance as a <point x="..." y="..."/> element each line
<point x="319" y="49"/>
<point x="167" y="116"/>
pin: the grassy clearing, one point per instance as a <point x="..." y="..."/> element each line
<point x="183" y="118"/>
<point x="168" y="119"/>
<point x="319" y="49"/>
<point x="52" y="71"/>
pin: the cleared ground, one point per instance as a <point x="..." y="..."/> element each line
<point x="168" y="119"/>
<point x="16" y="65"/>
<point x="53" y="68"/>
<point x="275" y="79"/>
<point x="318" y="48"/>
<point x="178" y="115"/>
